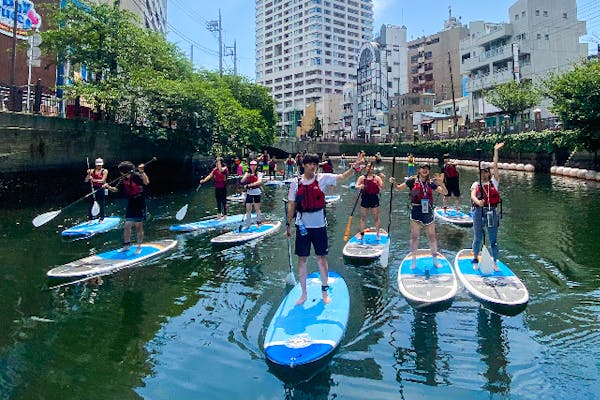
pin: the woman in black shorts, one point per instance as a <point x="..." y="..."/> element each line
<point x="370" y="185"/>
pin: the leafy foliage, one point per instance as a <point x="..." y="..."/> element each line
<point x="513" y="98"/>
<point x="140" y="79"/>
<point x="576" y="99"/>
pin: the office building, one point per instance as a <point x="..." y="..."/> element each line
<point x="308" y="48"/>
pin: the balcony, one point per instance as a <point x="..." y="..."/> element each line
<point x="498" y="32"/>
<point x="489" y="80"/>
<point x="499" y="53"/>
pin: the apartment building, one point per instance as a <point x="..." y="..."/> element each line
<point x="541" y="37"/>
<point x="402" y="109"/>
<point x="308" y="48"/>
<point x="434" y="61"/>
<point x="152" y="13"/>
<point x="381" y="74"/>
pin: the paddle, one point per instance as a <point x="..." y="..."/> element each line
<point x="183" y="210"/>
<point x="290" y="279"/>
<point x="480" y="196"/>
<point x="347" y="231"/>
<point x="48" y="216"/>
<point x="392" y="190"/>
<point x="95" y="206"/>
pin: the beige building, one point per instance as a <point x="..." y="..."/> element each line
<point x="401" y="111"/>
<point x="428" y="68"/>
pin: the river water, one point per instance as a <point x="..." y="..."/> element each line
<point x="191" y="325"/>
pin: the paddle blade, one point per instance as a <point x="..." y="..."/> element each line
<point x="45" y="217"/>
<point x="181" y="213"/>
<point x="486" y="264"/>
<point x="95" y="209"/>
<point x="347" y="231"/>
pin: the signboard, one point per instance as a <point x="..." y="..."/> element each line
<point x="27" y="17"/>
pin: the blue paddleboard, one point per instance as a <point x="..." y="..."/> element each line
<point x="206" y="224"/>
<point x="453" y="215"/>
<point x="427" y="288"/>
<point x="92" y="227"/>
<point x="104" y="263"/>
<point x="300" y="335"/>
<point x="501" y="291"/>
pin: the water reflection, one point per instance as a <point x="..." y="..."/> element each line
<point x="493" y="348"/>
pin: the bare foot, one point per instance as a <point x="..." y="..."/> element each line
<point x="496" y="267"/>
<point x="436" y="263"/>
<point x="138" y="250"/>
<point x="475" y="266"/>
<point x="301" y="300"/>
<point x="124" y="249"/>
<point x="326" y="298"/>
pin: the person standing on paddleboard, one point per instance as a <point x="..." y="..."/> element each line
<point x="252" y="181"/>
<point x="421" y="198"/>
<point x="371" y="185"/>
<point x="132" y="183"/>
<point x="451" y="181"/>
<point x="219" y="174"/>
<point x="306" y="209"/>
<point x="485" y="204"/>
<point x="98" y="177"/>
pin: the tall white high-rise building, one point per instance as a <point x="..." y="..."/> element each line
<point x="308" y="48"/>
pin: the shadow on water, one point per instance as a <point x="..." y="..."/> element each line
<point x="493" y="348"/>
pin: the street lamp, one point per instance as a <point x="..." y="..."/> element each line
<point x="506" y="120"/>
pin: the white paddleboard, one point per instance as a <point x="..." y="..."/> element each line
<point x="367" y="247"/>
<point x="453" y="216"/>
<point x="237" y="198"/>
<point x="301" y="335"/>
<point x="332" y="198"/>
<point x="500" y="291"/>
<point x="426" y="287"/>
<point x="89" y="228"/>
<point x="209" y="223"/>
<point x="246" y="234"/>
<point x="111" y="261"/>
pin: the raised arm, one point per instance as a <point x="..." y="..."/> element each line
<point x="497" y="147"/>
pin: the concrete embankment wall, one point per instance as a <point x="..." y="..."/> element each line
<point x="43" y="157"/>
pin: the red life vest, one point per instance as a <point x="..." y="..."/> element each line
<point x="420" y="191"/>
<point x="450" y="171"/>
<point x="220" y="178"/>
<point x="309" y="198"/>
<point x="97" y="176"/>
<point x="371" y="187"/>
<point x="491" y="195"/>
<point x="251" y="179"/>
<point x="327" y="167"/>
<point x="131" y="187"/>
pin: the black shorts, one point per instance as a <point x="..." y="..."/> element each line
<point x="252" y="198"/>
<point x="136" y="209"/>
<point x="316" y="236"/>
<point x="453" y="187"/>
<point x="369" y="200"/>
<point x="418" y="216"/>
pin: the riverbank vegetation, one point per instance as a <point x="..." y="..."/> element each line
<point x="134" y="76"/>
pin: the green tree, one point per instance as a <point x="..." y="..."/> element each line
<point x="513" y="98"/>
<point x="576" y="100"/>
<point x="317" y="130"/>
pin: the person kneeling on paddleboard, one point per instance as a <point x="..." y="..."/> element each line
<point x="132" y="183"/>
<point x="485" y="197"/>
<point x="306" y="209"/>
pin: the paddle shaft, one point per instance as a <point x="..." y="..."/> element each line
<point x="480" y="195"/>
<point x="289" y="243"/>
<point x="392" y="190"/>
<point x="87" y="160"/>
<point x="349" y="224"/>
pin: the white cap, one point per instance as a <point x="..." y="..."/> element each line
<point x="99" y="161"/>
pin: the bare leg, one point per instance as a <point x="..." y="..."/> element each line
<point x="430" y="231"/>
<point x="363" y="219"/>
<point x="139" y="229"/>
<point x="258" y="213"/>
<point x="415" y="231"/>
<point x="324" y="272"/>
<point x="302" y="279"/>
<point x="248" y="217"/>
<point x="375" y="212"/>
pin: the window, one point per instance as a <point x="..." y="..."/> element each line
<point x="545" y="13"/>
<point x="547" y="37"/>
<point x="564" y="15"/>
<point x="537" y="13"/>
<point x="539" y="36"/>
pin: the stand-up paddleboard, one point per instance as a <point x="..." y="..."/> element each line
<point x="368" y="247"/>
<point x="453" y="215"/>
<point x="246" y="234"/>
<point x="332" y="198"/>
<point x="89" y="228"/>
<point x="352" y="185"/>
<point x="237" y="197"/>
<point x="111" y="261"/>
<point x="501" y="291"/>
<point x="427" y="288"/>
<point x="300" y="335"/>
<point x="274" y="183"/>
<point x="209" y="223"/>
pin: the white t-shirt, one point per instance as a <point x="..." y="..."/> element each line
<point x="314" y="219"/>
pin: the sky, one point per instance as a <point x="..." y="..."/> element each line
<point x="187" y="20"/>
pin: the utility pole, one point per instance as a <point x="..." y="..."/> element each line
<point x="13" y="57"/>
<point x="215" y="26"/>
<point x="192" y="54"/>
<point x="455" y="118"/>
<point x="232" y="51"/>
